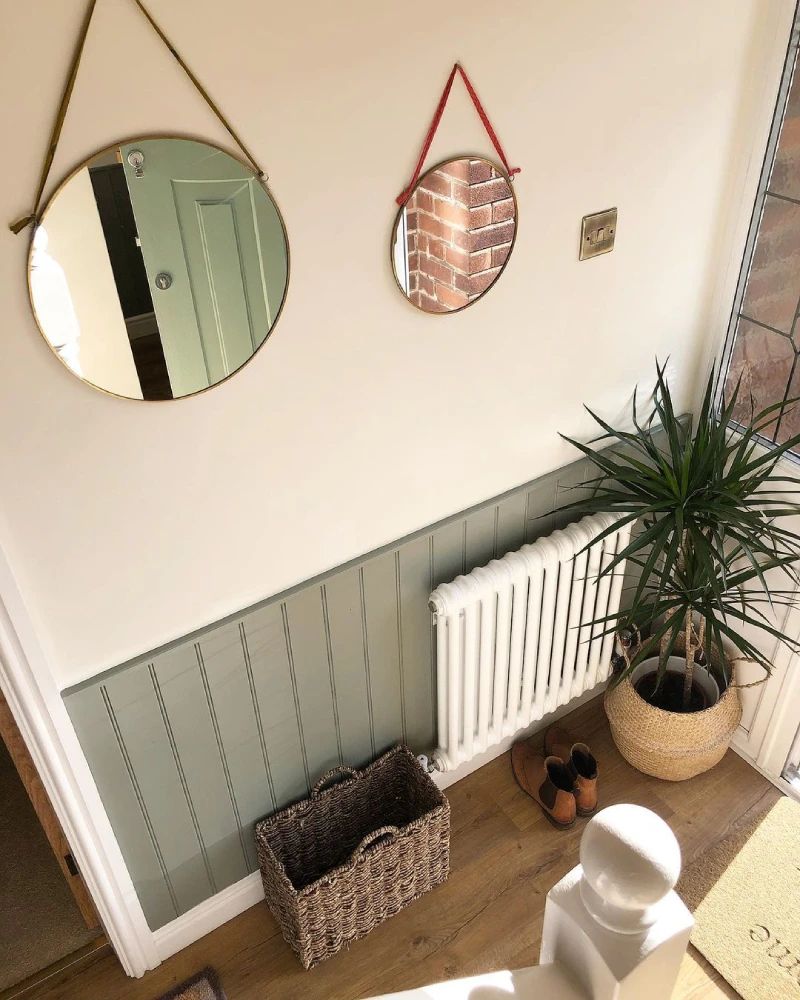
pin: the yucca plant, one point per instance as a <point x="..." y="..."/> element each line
<point x="708" y="505"/>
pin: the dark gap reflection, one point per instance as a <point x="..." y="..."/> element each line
<point x="119" y="229"/>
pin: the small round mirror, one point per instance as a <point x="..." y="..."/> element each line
<point x="454" y="235"/>
<point x="158" y="268"/>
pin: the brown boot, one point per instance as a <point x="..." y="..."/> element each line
<point x="547" y="781"/>
<point x="580" y="763"/>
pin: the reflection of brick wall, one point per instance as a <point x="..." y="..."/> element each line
<point x="766" y="349"/>
<point x="460" y="224"/>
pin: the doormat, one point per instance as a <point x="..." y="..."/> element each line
<point x="203" y="986"/>
<point x="745" y="896"/>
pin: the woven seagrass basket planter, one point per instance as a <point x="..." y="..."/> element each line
<point x="672" y="745"/>
<point x="340" y="862"/>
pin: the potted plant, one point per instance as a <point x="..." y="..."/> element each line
<point x="715" y="560"/>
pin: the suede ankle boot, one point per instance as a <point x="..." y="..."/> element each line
<point x="581" y="764"/>
<point x="548" y="781"/>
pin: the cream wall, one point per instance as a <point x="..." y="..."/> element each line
<point x="129" y="524"/>
<point x="76" y="242"/>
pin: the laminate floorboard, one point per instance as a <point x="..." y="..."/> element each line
<point x="488" y="916"/>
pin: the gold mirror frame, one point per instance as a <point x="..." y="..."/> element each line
<point x="452" y="159"/>
<point x="111" y="148"/>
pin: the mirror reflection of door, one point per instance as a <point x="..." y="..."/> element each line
<point x="201" y="225"/>
<point x="194" y="251"/>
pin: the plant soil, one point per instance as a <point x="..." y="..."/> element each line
<point x="669" y="695"/>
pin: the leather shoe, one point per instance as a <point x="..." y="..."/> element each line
<point x="548" y="782"/>
<point x="581" y="764"/>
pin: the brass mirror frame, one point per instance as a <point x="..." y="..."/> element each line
<point x="108" y="149"/>
<point x="451" y="159"/>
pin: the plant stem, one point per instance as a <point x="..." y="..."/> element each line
<point x="689" y="675"/>
<point x="662" y="651"/>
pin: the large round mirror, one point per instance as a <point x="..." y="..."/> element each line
<point x="454" y="235"/>
<point x="158" y="268"/>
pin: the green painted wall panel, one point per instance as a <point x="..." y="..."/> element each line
<point x="133" y="701"/>
<point x="124" y="803"/>
<point x="511" y="523"/>
<point x="481" y="529"/>
<point x="417" y="638"/>
<point x="346" y="626"/>
<point x="182" y="679"/>
<point x="264" y="632"/>
<point x="386" y="680"/>
<point x="192" y="743"/>
<point x="232" y="697"/>
<point x="449" y="555"/>
<point x="312" y="676"/>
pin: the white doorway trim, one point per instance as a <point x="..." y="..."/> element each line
<point x="785" y="719"/>
<point x="35" y="701"/>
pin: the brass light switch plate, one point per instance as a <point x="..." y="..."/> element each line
<point x="597" y="233"/>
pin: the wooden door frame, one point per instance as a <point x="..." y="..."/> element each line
<point x="29" y="687"/>
<point x="32" y="783"/>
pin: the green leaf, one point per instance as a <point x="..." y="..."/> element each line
<point x="706" y="509"/>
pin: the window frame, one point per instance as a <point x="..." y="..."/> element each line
<point x="791" y="65"/>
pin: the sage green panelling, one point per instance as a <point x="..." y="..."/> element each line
<point x="480" y="541"/>
<point x="308" y="653"/>
<point x="181" y="678"/>
<point x="416" y="638"/>
<point x="381" y="622"/>
<point x="230" y="699"/>
<point x="347" y="637"/>
<point x="103" y="745"/>
<point x="511" y="522"/>
<point x="194" y="742"/>
<point x="275" y="700"/>
<point x="449" y="552"/>
<point x="138" y="713"/>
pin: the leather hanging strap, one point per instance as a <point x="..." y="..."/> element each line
<point x="20" y="224"/>
<point x="437" y="117"/>
<point x="201" y="90"/>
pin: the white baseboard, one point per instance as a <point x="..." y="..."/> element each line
<point x="240" y="896"/>
<point x="444" y="779"/>
<point x="777" y="780"/>
<point x="208" y="915"/>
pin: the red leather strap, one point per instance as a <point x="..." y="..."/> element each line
<point x="403" y="198"/>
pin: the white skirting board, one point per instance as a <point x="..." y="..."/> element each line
<point x="447" y="778"/>
<point x="214" y="912"/>
<point x="210" y="914"/>
<point x="777" y="780"/>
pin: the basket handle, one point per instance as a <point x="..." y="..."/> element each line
<point x="370" y="839"/>
<point x="334" y="771"/>
<point x="752" y="684"/>
<point x="736" y="659"/>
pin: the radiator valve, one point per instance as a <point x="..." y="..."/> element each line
<point x="425" y="764"/>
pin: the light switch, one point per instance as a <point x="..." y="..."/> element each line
<point x="597" y="233"/>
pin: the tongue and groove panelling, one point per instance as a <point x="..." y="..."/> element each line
<point x="192" y="743"/>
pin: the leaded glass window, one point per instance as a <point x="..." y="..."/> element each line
<point x="764" y="336"/>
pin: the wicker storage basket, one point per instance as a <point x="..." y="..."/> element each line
<point x="672" y="745"/>
<point x="337" y="864"/>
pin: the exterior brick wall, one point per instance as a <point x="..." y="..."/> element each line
<point x="766" y="348"/>
<point x="460" y="226"/>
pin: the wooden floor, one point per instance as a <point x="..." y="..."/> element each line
<point x="505" y="858"/>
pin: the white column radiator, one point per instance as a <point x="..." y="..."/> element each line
<point x="514" y="639"/>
